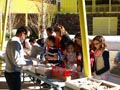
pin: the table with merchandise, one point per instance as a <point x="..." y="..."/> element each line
<point x="62" y="79"/>
<point x="41" y="72"/>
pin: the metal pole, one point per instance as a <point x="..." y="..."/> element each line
<point x="0" y="40"/>
<point x="0" y="28"/>
<point x="43" y="13"/>
<point x="7" y="5"/>
<point x="10" y="27"/>
<point x="26" y="19"/>
<point x="84" y="37"/>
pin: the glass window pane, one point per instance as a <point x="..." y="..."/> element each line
<point x="88" y="2"/>
<point x="102" y="1"/>
<point x="115" y="1"/>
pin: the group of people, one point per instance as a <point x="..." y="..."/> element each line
<point x="55" y="47"/>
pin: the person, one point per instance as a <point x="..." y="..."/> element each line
<point x="43" y="33"/>
<point x="117" y="58"/>
<point x="50" y="31"/>
<point x="62" y="37"/>
<point x="92" y="57"/>
<point x="26" y="43"/>
<point x="78" y="49"/>
<point x="70" y="58"/>
<point x="36" y="48"/>
<point x="102" y="65"/>
<point x="42" y="37"/>
<point x="51" y="55"/>
<point x="14" y="59"/>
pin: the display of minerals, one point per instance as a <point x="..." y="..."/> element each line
<point x="87" y="84"/>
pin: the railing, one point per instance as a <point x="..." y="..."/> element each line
<point x="103" y="8"/>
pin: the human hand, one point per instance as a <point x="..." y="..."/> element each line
<point x="116" y="62"/>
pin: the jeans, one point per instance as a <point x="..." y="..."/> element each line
<point x="13" y="80"/>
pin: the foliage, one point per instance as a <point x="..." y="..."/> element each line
<point x="8" y="35"/>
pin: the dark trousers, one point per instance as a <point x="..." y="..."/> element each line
<point x="13" y="80"/>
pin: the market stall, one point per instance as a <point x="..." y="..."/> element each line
<point x="57" y="81"/>
<point x="40" y="72"/>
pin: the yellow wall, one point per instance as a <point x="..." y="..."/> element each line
<point x="68" y="6"/>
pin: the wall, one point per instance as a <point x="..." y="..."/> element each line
<point x="71" y="21"/>
<point x="68" y="6"/>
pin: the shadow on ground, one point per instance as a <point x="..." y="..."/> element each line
<point x="26" y="86"/>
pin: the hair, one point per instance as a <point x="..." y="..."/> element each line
<point x="78" y="35"/>
<point x="41" y="27"/>
<point x="51" y="38"/>
<point x="101" y="39"/>
<point x="57" y="29"/>
<point x="60" y="28"/>
<point x="32" y="39"/>
<point x="21" y="30"/>
<point x="70" y="42"/>
<point x="50" y="29"/>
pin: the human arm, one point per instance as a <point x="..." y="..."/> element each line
<point x="18" y="54"/>
<point x="117" y="58"/>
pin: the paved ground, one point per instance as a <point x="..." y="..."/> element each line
<point x="28" y="85"/>
<point x="115" y="69"/>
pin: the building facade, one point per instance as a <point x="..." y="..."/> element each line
<point x="103" y="16"/>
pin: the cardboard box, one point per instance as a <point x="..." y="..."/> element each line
<point x="90" y="84"/>
<point x="43" y="70"/>
<point x="64" y="74"/>
<point x="110" y="86"/>
<point x="62" y="78"/>
<point x="82" y="84"/>
<point x="32" y="69"/>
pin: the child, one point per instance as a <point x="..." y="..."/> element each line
<point x="70" y="57"/>
<point x="36" y="49"/>
<point x="52" y="54"/>
<point x="78" y="49"/>
<point x="102" y="65"/>
<point x="92" y="58"/>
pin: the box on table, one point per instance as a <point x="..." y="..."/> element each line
<point x="90" y="84"/>
<point x="43" y="69"/>
<point x="110" y="86"/>
<point x="64" y="74"/>
<point x="38" y="69"/>
<point x="31" y="68"/>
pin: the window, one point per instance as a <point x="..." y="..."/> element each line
<point x="88" y="2"/>
<point x="115" y="1"/>
<point x="102" y="1"/>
